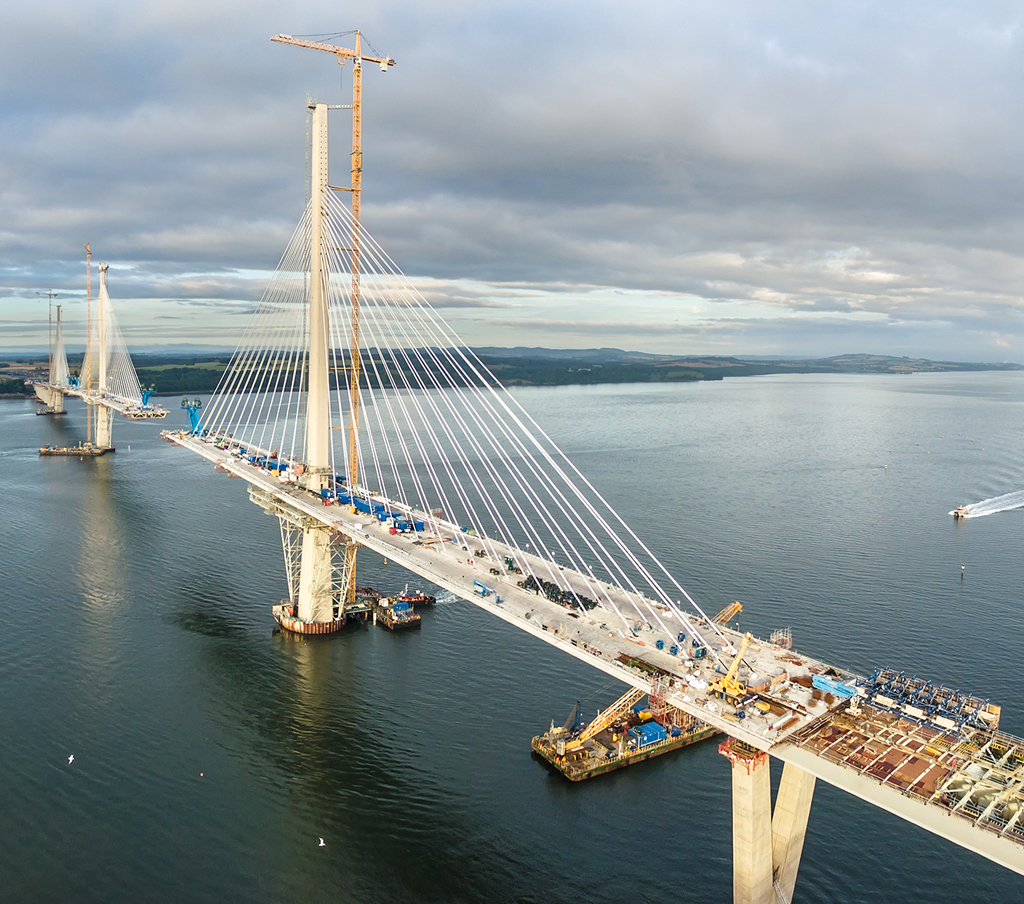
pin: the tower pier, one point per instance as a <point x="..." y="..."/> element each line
<point x="766" y="845"/>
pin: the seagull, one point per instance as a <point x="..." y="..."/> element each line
<point x="322" y="843"/>
<point x="71" y="759"/>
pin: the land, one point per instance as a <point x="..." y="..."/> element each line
<point x="171" y="374"/>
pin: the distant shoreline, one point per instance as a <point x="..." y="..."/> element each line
<point x="173" y="374"/>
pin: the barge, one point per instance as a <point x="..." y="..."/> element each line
<point x="395" y="615"/>
<point x="84" y="451"/>
<point x="625" y="733"/>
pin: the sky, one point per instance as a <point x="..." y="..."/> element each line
<point x="770" y="178"/>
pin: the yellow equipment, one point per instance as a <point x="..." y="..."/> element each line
<point x="730" y="611"/>
<point x="618" y="709"/>
<point x="728" y="687"/>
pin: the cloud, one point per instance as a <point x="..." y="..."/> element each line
<point x="775" y="173"/>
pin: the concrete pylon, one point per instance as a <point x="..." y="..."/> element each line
<point x="751" y="824"/>
<point x="316" y="572"/>
<point x="104" y="415"/>
<point x="789" y="826"/>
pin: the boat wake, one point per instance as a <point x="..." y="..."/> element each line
<point x="995" y="504"/>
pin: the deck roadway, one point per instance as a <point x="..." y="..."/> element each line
<point x="127" y="407"/>
<point x="596" y="638"/>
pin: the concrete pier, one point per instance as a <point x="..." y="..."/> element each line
<point x="751" y="824"/>
<point x="789" y="826"/>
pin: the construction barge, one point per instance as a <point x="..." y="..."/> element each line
<point x="627" y="732"/>
<point x="83" y="451"/>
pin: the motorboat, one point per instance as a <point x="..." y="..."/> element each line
<point x="960" y="512"/>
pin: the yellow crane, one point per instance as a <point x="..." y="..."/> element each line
<point x="730" y="611"/>
<point x="729" y="688"/>
<point x="357" y="57"/>
<point x="618" y="709"/>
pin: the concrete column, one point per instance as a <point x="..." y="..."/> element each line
<point x="315" y="566"/>
<point x="751" y="824"/>
<point x="316" y="598"/>
<point x="318" y="400"/>
<point x="104" y="426"/>
<point x="104" y="302"/>
<point x="789" y="826"/>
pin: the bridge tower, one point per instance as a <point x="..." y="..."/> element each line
<point x="103" y="416"/>
<point x="58" y="368"/>
<point x="321" y="601"/>
<point x="322" y="571"/>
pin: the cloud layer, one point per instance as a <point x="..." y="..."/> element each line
<point x="741" y="177"/>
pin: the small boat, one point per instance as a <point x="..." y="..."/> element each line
<point x="960" y="512"/>
<point x="419" y="598"/>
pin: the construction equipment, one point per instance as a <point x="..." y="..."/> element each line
<point x="729" y="688"/>
<point x="729" y="612"/>
<point x="603" y="719"/>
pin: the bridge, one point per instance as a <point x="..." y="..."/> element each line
<point x="359" y="420"/>
<point x="107" y="381"/>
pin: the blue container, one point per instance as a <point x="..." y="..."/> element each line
<point x="682" y="637"/>
<point x="832" y="687"/>
<point x="648" y="733"/>
<point x="660" y="644"/>
<point x="674" y="650"/>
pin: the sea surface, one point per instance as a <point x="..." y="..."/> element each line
<point x="211" y="754"/>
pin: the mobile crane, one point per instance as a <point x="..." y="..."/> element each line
<point x="729" y="688"/>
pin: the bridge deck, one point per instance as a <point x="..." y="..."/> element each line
<point x="127" y="407"/>
<point x="925" y="775"/>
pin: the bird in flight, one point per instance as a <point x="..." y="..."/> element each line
<point x="71" y="759"/>
<point x="322" y="844"/>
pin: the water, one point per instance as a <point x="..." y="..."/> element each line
<point x="136" y="591"/>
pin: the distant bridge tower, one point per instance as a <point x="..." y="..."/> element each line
<point x="59" y="376"/>
<point x="103" y="415"/>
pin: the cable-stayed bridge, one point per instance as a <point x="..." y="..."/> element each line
<point x="107" y="382"/>
<point x="359" y="419"/>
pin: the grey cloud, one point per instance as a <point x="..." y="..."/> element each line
<point x="855" y="159"/>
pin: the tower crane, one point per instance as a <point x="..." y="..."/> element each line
<point x="357" y="57"/>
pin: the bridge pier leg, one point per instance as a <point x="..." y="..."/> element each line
<point x="751" y="824"/>
<point x="789" y="826"/>
<point x="104" y="426"/>
<point x="316" y="576"/>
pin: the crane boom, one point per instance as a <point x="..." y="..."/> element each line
<point x="333" y="48"/>
<point x="604" y="719"/>
<point x="739" y="656"/>
<point x="728" y="612"/>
